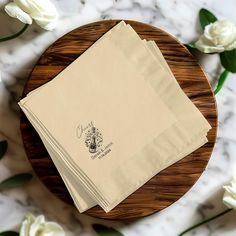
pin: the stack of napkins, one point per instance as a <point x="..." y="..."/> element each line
<point x="114" y="118"/>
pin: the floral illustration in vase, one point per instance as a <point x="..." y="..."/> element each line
<point x="93" y="139"/>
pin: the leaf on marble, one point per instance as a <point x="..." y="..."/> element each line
<point x="221" y="81"/>
<point x="16" y="181"/>
<point x="3" y="148"/>
<point x="228" y="60"/>
<point x="103" y="230"/>
<point x="9" y="233"/>
<point x="206" y="17"/>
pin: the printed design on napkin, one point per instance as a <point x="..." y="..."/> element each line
<point x="93" y="139"/>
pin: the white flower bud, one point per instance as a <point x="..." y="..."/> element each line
<point x="37" y="226"/>
<point x="42" y="11"/>
<point x="229" y="198"/>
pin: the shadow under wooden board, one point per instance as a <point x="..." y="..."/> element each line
<point x="170" y="184"/>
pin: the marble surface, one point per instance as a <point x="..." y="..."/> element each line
<point x="17" y="58"/>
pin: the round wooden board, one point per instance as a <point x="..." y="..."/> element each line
<point x="173" y="182"/>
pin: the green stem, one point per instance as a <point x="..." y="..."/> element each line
<point x="221" y="81"/>
<point x="204" y="222"/>
<point x="14" y="35"/>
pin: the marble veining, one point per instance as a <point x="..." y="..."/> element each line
<point x="17" y="58"/>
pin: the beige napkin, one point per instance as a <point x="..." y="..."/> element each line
<point x="126" y="118"/>
<point x="144" y="159"/>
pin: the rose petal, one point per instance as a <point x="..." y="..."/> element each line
<point x="49" y="26"/>
<point x="207" y="32"/>
<point x="37" y="6"/>
<point x="230" y="189"/>
<point x="229" y="201"/>
<point x="231" y="46"/>
<point x="25" y="227"/>
<point x="45" y="22"/>
<point x="14" y="11"/>
<point x="206" y="46"/>
<point x="45" y="6"/>
<point x="31" y="6"/>
<point x="43" y="12"/>
<point x="24" y="5"/>
<point x="37" y="225"/>
<point x="24" y="230"/>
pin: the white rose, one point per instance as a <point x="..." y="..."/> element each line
<point x="42" y="11"/>
<point x="37" y="226"/>
<point x="229" y="198"/>
<point x="218" y="37"/>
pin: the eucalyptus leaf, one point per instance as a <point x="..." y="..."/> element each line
<point x="102" y="230"/>
<point x="221" y="81"/>
<point x="9" y="233"/>
<point x="228" y="60"/>
<point x="3" y="148"/>
<point x="206" y="17"/>
<point x="16" y="181"/>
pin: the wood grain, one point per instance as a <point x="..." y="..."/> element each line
<point x="173" y="182"/>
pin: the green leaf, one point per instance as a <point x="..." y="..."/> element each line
<point x="9" y="233"/>
<point x="221" y="81"/>
<point x="3" y="148"/>
<point x="206" y="17"/>
<point x="228" y="60"/>
<point x="102" y="230"/>
<point x="16" y="181"/>
<point x="190" y="45"/>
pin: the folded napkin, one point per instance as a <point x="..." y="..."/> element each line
<point x="114" y="118"/>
